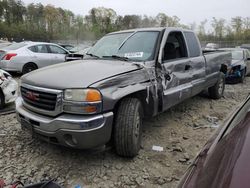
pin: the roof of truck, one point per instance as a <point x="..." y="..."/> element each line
<point x="150" y="29"/>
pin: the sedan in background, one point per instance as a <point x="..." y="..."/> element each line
<point x="224" y="160"/>
<point x="27" y="56"/>
<point x="66" y="46"/>
<point x="240" y="64"/>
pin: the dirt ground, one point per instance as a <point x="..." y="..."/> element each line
<point x="181" y="131"/>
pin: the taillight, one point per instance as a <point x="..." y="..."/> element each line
<point x="9" y="56"/>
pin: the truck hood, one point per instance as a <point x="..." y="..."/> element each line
<point x="77" y="74"/>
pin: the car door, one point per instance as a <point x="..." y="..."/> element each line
<point x="40" y="55"/>
<point x="177" y="78"/>
<point x="58" y="54"/>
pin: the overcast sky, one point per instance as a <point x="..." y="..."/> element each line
<point x="188" y="11"/>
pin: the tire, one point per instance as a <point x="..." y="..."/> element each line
<point x="217" y="91"/>
<point x="29" y="67"/>
<point x="128" y="127"/>
<point x="2" y="99"/>
<point x="243" y="75"/>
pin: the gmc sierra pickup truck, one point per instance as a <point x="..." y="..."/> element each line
<point x="128" y="75"/>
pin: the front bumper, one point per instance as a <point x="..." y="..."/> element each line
<point x="77" y="131"/>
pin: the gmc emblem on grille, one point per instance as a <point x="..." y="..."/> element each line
<point x="32" y="96"/>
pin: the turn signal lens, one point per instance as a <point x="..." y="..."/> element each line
<point x="93" y="95"/>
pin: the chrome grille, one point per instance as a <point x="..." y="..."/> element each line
<point x="38" y="99"/>
<point x="41" y="100"/>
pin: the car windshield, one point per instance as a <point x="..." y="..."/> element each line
<point x="137" y="46"/>
<point x="15" y="46"/>
<point x="237" y="55"/>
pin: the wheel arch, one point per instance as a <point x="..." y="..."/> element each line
<point x="146" y="99"/>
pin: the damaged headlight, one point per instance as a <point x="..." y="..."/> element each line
<point x="82" y="101"/>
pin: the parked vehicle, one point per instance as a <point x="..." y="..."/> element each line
<point x="211" y="46"/>
<point x="128" y="75"/>
<point x="67" y="46"/>
<point x="3" y="45"/>
<point x="245" y="46"/>
<point x="224" y="160"/>
<point x="240" y="64"/>
<point x="27" y="56"/>
<point x="8" y="89"/>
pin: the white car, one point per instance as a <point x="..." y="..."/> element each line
<point x="8" y="88"/>
<point x="27" y="56"/>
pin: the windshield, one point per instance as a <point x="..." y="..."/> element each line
<point x="237" y="55"/>
<point x="138" y="46"/>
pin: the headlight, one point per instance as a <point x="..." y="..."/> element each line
<point x="82" y="101"/>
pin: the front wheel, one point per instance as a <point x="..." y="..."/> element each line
<point x="217" y="91"/>
<point x="128" y="127"/>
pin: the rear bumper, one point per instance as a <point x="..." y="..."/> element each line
<point x="75" y="131"/>
<point x="10" y="66"/>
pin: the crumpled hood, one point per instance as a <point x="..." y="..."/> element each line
<point x="77" y="74"/>
<point x="237" y="62"/>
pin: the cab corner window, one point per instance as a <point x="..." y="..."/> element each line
<point x="193" y="44"/>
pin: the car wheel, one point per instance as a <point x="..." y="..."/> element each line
<point x="243" y="75"/>
<point x="29" y="67"/>
<point x="128" y="127"/>
<point x="217" y="91"/>
<point x="2" y="99"/>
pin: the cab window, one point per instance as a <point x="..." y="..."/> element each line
<point x="175" y="47"/>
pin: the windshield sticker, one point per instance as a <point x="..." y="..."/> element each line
<point x="133" y="54"/>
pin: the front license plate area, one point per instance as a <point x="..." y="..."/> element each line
<point x="27" y="126"/>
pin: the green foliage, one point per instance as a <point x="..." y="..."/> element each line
<point x="44" y="23"/>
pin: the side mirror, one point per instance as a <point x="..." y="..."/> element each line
<point x="248" y="58"/>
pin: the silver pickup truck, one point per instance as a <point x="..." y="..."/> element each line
<point x="128" y="75"/>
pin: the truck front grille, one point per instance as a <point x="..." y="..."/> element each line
<point x="39" y="99"/>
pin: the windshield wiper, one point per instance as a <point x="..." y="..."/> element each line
<point x="118" y="57"/>
<point x="93" y="55"/>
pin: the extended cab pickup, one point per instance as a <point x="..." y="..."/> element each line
<point x="127" y="75"/>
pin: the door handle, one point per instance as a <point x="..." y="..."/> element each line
<point x="187" y="67"/>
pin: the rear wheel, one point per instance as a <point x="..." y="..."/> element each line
<point x="2" y="99"/>
<point x="128" y="127"/>
<point x="29" y="67"/>
<point x="217" y="91"/>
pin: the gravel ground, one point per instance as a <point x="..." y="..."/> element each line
<point x="181" y="131"/>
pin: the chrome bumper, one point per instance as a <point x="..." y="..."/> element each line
<point x="77" y="131"/>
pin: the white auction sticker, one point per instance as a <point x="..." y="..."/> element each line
<point x="133" y="54"/>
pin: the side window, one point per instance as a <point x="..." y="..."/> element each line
<point x="193" y="44"/>
<point x="39" y="49"/>
<point x="56" y="50"/>
<point x="33" y="49"/>
<point x="175" y="47"/>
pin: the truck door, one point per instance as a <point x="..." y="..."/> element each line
<point x="176" y="70"/>
<point x="197" y="62"/>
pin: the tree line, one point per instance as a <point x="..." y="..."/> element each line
<point x="44" y="23"/>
